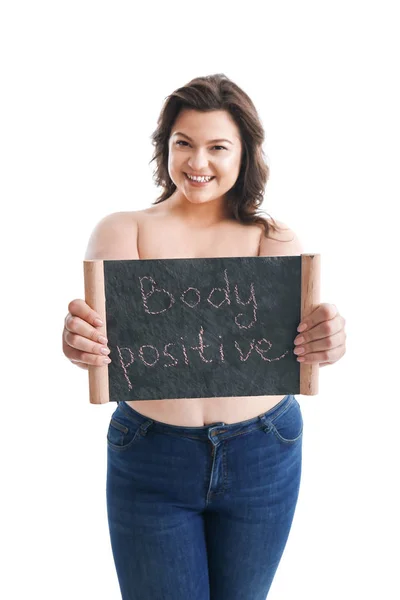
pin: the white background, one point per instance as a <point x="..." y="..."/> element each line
<point x="82" y="84"/>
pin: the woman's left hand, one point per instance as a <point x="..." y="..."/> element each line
<point x="324" y="339"/>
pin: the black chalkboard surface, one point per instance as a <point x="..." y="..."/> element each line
<point x="196" y="328"/>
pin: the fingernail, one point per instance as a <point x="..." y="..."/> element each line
<point x="105" y="350"/>
<point x="302" y="327"/>
<point x="103" y="340"/>
<point x="98" y="322"/>
<point x="298" y="350"/>
<point x="106" y="361"/>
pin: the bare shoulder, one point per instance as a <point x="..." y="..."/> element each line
<point x="284" y="242"/>
<point x="115" y="237"/>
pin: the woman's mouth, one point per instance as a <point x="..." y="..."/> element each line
<point x="200" y="183"/>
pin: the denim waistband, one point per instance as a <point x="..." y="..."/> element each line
<point x="220" y="429"/>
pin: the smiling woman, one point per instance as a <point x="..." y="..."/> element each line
<point x="201" y="158"/>
<point x="185" y="146"/>
<point x="210" y="484"/>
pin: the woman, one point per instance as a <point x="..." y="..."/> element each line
<point x="201" y="492"/>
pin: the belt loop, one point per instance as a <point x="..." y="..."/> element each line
<point x="266" y="423"/>
<point x="144" y="426"/>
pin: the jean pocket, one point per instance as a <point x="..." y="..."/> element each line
<point x="122" y="432"/>
<point x="288" y="425"/>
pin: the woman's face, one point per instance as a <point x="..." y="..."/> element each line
<point x="204" y="143"/>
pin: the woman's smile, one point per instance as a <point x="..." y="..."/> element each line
<point x="196" y="183"/>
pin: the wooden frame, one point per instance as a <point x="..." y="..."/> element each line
<point x="95" y="298"/>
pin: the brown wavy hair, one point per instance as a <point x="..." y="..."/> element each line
<point x="218" y="92"/>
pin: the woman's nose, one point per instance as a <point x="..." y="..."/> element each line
<point x="198" y="161"/>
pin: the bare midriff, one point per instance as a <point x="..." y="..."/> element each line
<point x="161" y="235"/>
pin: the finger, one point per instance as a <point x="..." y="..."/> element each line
<point x="78" y="342"/>
<point x="326" y="343"/>
<point x="80" y="364"/>
<point x="79" y="308"/>
<point x="87" y="358"/>
<point x="330" y="356"/>
<point x="78" y="326"/>
<point x="321" y="331"/>
<point x="323" y="312"/>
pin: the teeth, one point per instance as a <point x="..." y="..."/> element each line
<point x="200" y="179"/>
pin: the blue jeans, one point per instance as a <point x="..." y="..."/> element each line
<point x="201" y="513"/>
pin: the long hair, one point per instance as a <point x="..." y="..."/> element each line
<point x="218" y="92"/>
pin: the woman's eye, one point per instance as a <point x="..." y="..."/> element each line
<point x="182" y="142"/>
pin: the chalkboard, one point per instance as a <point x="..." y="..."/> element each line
<point x="198" y="328"/>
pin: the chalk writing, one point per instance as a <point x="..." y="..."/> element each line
<point x="182" y="328"/>
<point x="241" y="352"/>
<point x="154" y="290"/>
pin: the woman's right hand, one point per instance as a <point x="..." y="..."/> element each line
<point x="82" y="341"/>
